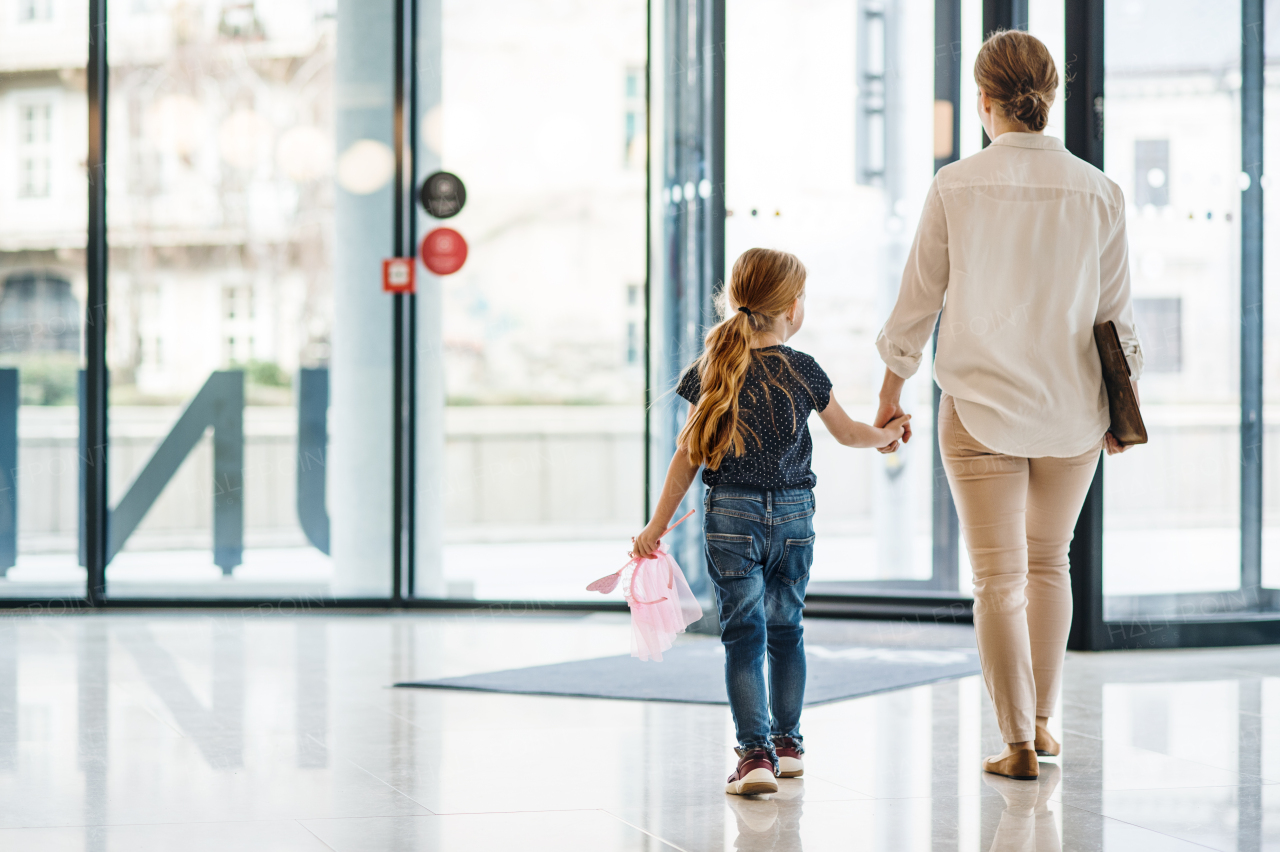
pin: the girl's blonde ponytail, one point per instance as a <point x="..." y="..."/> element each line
<point x="763" y="286"/>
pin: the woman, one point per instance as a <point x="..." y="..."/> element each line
<point x="1022" y="248"/>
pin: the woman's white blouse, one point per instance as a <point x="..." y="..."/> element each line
<point x="1022" y="247"/>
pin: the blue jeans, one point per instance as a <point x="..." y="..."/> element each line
<point x="759" y="547"/>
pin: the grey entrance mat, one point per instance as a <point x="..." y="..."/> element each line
<point x="693" y="672"/>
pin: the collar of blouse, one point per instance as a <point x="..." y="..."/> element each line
<point x="1030" y="140"/>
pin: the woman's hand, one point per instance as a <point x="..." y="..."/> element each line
<point x="898" y="427"/>
<point x="1114" y="447"/>
<point x="644" y="544"/>
<point x="891" y="408"/>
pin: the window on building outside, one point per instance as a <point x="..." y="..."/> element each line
<point x="1160" y="329"/>
<point x="35" y="134"/>
<point x="39" y="313"/>
<point x="1151" y="172"/>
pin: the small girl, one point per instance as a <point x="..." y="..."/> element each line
<point x="751" y="396"/>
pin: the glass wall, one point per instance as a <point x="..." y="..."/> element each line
<point x="1045" y="21"/>
<point x="1172" y="507"/>
<point x="829" y="153"/>
<point x="537" y="345"/>
<point x="250" y="201"/>
<point x="43" y="132"/>
<point x="242" y="138"/>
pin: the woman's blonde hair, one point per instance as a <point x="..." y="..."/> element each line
<point x="763" y="286"/>
<point x="1015" y="70"/>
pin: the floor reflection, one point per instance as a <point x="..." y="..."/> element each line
<point x="1026" y="823"/>
<point x="254" y="731"/>
<point x="770" y="823"/>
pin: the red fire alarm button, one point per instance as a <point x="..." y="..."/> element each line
<point x="397" y="275"/>
<point x="443" y="251"/>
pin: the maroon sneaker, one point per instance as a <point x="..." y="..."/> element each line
<point x="755" y="774"/>
<point x="788" y="749"/>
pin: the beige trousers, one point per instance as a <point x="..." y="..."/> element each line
<point x="1018" y="516"/>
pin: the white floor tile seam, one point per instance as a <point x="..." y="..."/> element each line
<point x="1141" y="827"/>
<point x="301" y="824"/>
<point x="656" y="837"/>
<point x="386" y="783"/>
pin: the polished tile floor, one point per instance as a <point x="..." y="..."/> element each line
<point x="254" y="730"/>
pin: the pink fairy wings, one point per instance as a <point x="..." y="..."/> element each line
<point x="607" y="583"/>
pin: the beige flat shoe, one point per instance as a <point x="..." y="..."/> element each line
<point x="1046" y="745"/>
<point x="1020" y="765"/>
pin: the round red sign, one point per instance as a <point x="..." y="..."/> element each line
<point x="443" y="251"/>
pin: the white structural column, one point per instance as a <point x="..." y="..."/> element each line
<point x="360" y="456"/>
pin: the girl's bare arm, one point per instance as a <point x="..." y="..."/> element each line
<point x="851" y="433"/>
<point x="680" y="475"/>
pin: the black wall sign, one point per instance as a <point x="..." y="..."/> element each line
<point x="443" y="195"/>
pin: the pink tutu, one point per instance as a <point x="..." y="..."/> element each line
<point x="660" y="600"/>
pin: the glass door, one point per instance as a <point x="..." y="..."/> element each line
<point x="249" y="206"/>
<point x="530" y="357"/>
<point x="1173" y="124"/>
<point x="829" y="153"/>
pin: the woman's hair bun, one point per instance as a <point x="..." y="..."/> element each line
<point x="1030" y="109"/>
<point x="1015" y="70"/>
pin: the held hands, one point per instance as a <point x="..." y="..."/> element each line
<point x="898" y="427"/>
<point x="892" y="418"/>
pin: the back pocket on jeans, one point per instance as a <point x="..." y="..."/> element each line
<point x="797" y="558"/>
<point x="731" y="555"/>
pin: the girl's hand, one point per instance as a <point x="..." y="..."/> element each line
<point x="889" y="412"/>
<point x="646" y="542"/>
<point x="898" y="427"/>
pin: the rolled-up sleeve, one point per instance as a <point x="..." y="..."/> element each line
<point x="1115" y="301"/>
<point x="924" y="284"/>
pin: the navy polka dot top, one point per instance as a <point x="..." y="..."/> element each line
<point x="783" y="455"/>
